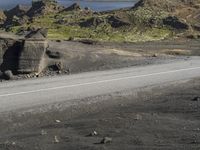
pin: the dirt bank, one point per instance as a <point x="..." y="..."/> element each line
<point x="69" y="57"/>
<point x="165" y="117"/>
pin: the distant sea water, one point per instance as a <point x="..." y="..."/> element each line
<point x="94" y="5"/>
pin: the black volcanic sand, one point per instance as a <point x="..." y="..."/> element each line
<point x="80" y="57"/>
<point x="165" y="117"/>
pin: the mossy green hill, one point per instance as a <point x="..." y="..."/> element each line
<point x="148" y="20"/>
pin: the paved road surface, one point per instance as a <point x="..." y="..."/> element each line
<point x="29" y="93"/>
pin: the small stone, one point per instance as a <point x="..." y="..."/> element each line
<point x="94" y="133"/>
<point x="56" y="140"/>
<point x="8" y="75"/>
<point x="138" y="117"/>
<point x="106" y="140"/>
<point x="43" y="132"/>
<point x="197" y="98"/>
<point x="58" y="41"/>
<point x="58" y="121"/>
<point x="155" y="55"/>
<point x="36" y="75"/>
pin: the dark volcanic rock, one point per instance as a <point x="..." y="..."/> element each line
<point x="37" y="34"/>
<point x="17" y="21"/>
<point x="196" y="27"/>
<point x="9" y="54"/>
<point x="44" y="7"/>
<point x="54" y="55"/>
<point x="197" y="98"/>
<point x="166" y="5"/>
<point x="16" y="16"/>
<point x="116" y="22"/>
<point x="21" y="55"/>
<point x="73" y="7"/>
<point x="176" y="23"/>
<point x="94" y="21"/>
<point x="8" y="75"/>
<point x="18" y="11"/>
<point x="106" y="140"/>
<point x="1" y="74"/>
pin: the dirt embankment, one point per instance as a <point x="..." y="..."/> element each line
<point x="165" y="117"/>
<point x="69" y="57"/>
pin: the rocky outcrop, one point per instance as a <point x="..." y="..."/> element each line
<point x="31" y="58"/>
<point x="16" y="16"/>
<point x="117" y="22"/>
<point x="176" y="14"/>
<point x="19" y="11"/>
<point x="73" y="7"/>
<point x="176" y="23"/>
<point x="166" y="5"/>
<point x="43" y="7"/>
<point x="2" y="17"/>
<point x="93" y="22"/>
<point x="24" y="55"/>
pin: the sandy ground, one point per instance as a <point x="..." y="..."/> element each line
<point x="165" y="117"/>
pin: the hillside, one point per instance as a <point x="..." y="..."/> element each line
<point x="148" y="20"/>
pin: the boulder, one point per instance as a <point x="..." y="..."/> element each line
<point x="31" y="58"/>
<point x="106" y="140"/>
<point x="8" y="75"/>
<point x="24" y="55"/>
<point x="73" y="7"/>
<point x="176" y="23"/>
<point x="54" y="55"/>
<point x="94" y="21"/>
<point x="196" y="27"/>
<point x="116" y="22"/>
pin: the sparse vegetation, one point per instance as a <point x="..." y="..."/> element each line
<point x="145" y="22"/>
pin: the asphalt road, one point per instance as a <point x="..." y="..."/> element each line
<point x="30" y="93"/>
